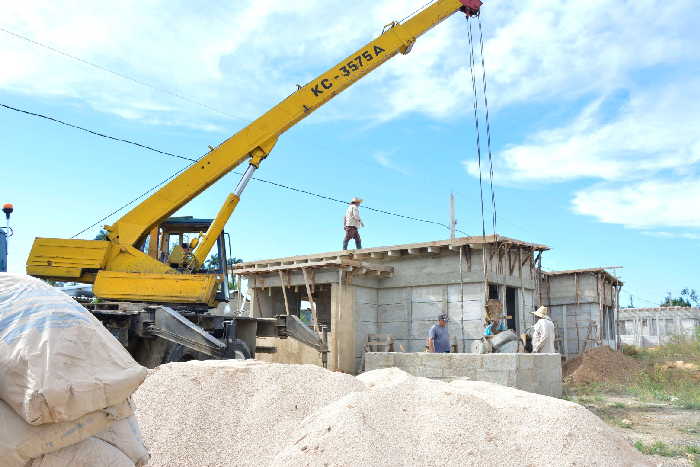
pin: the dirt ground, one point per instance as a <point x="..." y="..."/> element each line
<point x="649" y="423"/>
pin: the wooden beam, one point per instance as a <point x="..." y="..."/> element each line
<point x="284" y="290"/>
<point x="469" y="259"/>
<point x="311" y="298"/>
<point x="434" y="250"/>
<point x="394" y="253"/>
<point x="414" y="251"/>
<point x="377" y="254"/>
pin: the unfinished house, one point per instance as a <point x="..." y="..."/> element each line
<point x="649" y="327"/>
<point x="396" y="291"/>
<point x="583" y="304"/>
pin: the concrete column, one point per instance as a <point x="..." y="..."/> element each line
<point x="344" y="328"/>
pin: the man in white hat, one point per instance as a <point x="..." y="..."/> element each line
<point x="352" y="223"/>
<point x="543" y="335"/>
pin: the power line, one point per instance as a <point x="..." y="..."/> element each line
<point x="120" y="75"/>
<point x="169" y="154"/>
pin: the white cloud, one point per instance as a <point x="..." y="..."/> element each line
<point x="683" y="235"/>
<point x="655" y="130"/>
<point x="244" y="56"/>
<point x="384" y="158"/>
<point x="647" y="204"/>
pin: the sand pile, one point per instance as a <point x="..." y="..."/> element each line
<point x="230" y="412"/>
<point x="251" y="413"/>
<point x="601" y="365"/>
<point x="417" y="421"/>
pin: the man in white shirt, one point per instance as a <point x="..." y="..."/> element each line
<point x="543" y="335"/>
<point x="352" y="223"/>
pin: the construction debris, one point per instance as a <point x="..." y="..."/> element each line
<point x="601" y="365"/>
<point x="253" y="413"/>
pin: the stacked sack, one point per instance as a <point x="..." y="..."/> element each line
<point x="65" y="383"/>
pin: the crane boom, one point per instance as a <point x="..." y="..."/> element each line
<point x="113" y="265"/>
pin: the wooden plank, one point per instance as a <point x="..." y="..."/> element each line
<point x="259" y="270"/>
<point x="311" y="298"/>
<point x="377" y="254"/>
<point x="284" y="290"/>
<point x="462" y="241"/>
<point x="434" y="250"/>
<point x="394" y="253"/>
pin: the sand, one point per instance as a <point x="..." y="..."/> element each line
<point x="250" y="413"/>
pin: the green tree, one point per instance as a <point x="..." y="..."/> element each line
<point x="687" y="298"/>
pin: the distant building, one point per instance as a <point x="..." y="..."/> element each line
<point x="648" y="327"/>
<point x="583" y="304"/>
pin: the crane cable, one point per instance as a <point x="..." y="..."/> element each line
<point x="472" y="66"/>
<point x="488" y="125"/>
<point x="476" y="124"/>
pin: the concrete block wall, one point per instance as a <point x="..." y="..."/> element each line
<point x="407" y="313"/>
<point x="538" y="373"/>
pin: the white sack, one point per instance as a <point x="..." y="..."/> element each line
<point x="126" y="436"/>
<point x="91" y="452"/>
<point x="20" y="442"/>
<point x="57" y="361"/>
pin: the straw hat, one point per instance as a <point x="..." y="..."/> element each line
<point x="541" y="312"/>
<point x="356" y="200"/>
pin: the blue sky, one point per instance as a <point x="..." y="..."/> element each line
<point x="594" y="113"/>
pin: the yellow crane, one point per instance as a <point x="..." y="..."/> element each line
<point x="118" y="266"/>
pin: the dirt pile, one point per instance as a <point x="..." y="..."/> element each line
<point x="250" y="413"/>
<point x="601" y="365"/>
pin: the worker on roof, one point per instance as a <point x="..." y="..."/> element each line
<point x="352" y="223"/>
<point x="438" y="336"/>
<point x="543" y="334"/>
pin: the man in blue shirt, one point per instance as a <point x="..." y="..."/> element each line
<point x="438" y="338"/>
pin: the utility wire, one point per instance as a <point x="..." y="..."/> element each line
<point x="118" y="74"/>
<point x="169" y="154"/>
<point x="96" y="133"/>
<point x="417" y="11"/>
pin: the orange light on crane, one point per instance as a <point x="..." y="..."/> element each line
<point x="7" y="208"/>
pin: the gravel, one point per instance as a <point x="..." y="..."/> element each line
<point x="221" y="413"/>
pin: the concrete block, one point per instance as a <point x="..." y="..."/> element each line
<point x="426" y="311"/>
<point x="365" y="295"/>
<point x="465" y="361"/>
<point x="399" y="330"/>
<point x="405" y="360"/>
<point x="472" y="291"/>
<point x="377" y="360"/>
<point x="432" y="293"/>
<point x="473" y="329"/>
<point x="500" y="361"/>
<point x="393" y="296"/>
<point x="527" y="380"/>
<point x="502" y="377"/>
<point x="392" y="313"/>
<point x="526" y="361"/>
<point x="469" y="373"/>
<point x="420" y="328"/>
<point x="429" y="372"/>
<point x="432" y="360"/>
<point x="472" y="310"/>
<point x="366" y="312"/>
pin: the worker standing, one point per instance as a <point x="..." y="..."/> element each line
<point x="543" y="335"/>
<point x="438" y="336"/>
<point x="352" y="223"/>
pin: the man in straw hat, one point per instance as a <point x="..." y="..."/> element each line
<point x="352" y="223"/>
<point x="543" y="335"/>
